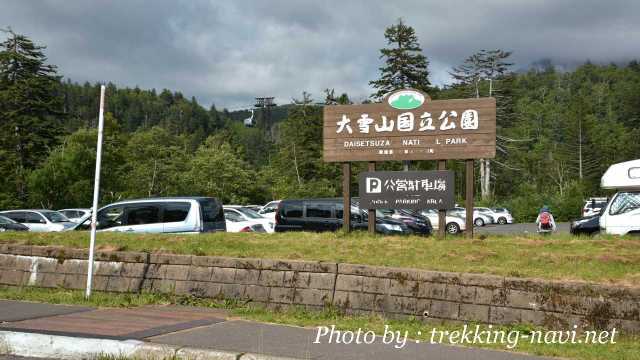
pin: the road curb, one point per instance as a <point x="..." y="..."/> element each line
<point x="76" y="348"/>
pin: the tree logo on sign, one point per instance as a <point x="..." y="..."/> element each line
<point x="406" y="100"/>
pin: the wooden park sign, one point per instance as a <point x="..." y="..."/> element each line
<point x="408" y="125"/>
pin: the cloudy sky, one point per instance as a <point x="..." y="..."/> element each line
<point x="227" y="52"/>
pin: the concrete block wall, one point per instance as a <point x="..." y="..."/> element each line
<point x="393" y="292"/>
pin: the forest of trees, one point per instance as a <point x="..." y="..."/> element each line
<point x="557" y="133"/>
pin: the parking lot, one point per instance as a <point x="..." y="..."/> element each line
<point x="523" y="228"/>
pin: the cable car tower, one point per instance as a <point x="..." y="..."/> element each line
<point x="265" y="104"/>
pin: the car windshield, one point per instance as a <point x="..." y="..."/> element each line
<point x="6" y="220"/>
<point x="625" y="202"/>
<point x="250" y="213"/>
<point x="54" y="216"/>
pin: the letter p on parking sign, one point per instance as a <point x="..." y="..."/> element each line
<point x="374" y="185"/>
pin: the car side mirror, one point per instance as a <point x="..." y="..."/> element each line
<point x="42" y="221"/>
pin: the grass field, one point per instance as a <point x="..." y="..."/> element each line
<point x="604" y="259"/>
<point x="625" y="348"/>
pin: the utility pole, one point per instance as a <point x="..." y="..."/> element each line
<point x="96" y="192"/>
<point x="580" y="145"/>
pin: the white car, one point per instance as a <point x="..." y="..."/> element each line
<point x="269" y="210"/>
<point x="235" y="223"/>
<point x="247" y="214"/>
<point x="453" y="224"/>
<point x="594" y="206"/>
<point x="40" y="220"/>
<point x="504" y="216"/>
<point x="479" y="219"/>
<point x="76" y="215"/>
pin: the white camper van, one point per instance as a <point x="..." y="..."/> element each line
<point x="622" y="214"/>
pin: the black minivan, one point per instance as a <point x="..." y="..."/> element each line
<point x="326" y="215"/>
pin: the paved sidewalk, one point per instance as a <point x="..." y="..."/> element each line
<point x="213" y="329"/>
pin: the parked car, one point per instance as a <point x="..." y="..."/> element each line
<point x="479" y="219"/>
<point x="416" y="222"/>
<point x="160" y="215"/>
<point x="453" y="224"/>
<point x="621" y="216"/>
<point x="487" y="212"/>
<point x="7" y="224"/>
<point x="504" y="216"/>
<point x="327" y="215"/>
<point x="587" y="225"/>
<point x="249" y="214"/>
<point x="75" y="215"/>
<point x="236" y="224"/>
<point x="40" y="220"/>
<point x="593" y="206"/>
<point x="255" y="208"/>
<point x="269" y="210"/>
<point x="240" y="219"/>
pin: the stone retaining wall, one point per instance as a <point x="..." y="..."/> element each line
<point x="394" y="292"/>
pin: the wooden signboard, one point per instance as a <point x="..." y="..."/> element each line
<point x="408" y="125"/>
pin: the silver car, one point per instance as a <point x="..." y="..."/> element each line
<point x="75" y="215"/>
<point x="40" y="220"/>
<point x="160" y="215"/>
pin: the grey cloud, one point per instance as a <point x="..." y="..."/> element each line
<point x="228" y="52"/>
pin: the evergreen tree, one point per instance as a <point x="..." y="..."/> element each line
<point x="404" y="64"/>
<point x="31" y="108"/>
<point x="65" y="177"/>
<point x="491" y="69"/>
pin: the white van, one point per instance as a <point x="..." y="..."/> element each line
<point x="621" y="216"/>
<point x="160" y="215"/>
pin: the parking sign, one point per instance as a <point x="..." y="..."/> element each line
<point x="406" y="190"/>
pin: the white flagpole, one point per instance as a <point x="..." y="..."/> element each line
<point x="96" y="190"/>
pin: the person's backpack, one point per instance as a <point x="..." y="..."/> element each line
<point x="545" y="220"/>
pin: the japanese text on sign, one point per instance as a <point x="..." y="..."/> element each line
<point x="405" y="122"/>
<point x="407" y="189"/>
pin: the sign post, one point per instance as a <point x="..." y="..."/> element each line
<point x="469" y="198"/>
<point x="407" y="125"/>
<point x="372" y="212"/>
<point x="442" y="213"/>
<point x="96" y="191"/>
<point x="346" y="196"/>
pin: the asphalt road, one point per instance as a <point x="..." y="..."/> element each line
<point x="23" y="310"/>
<point x="522" y="228"/>
<point x="297" y="342"/>
<point x="232" y="334"/>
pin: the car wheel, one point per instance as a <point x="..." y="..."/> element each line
<point x="502" y="221"/>
<point x="478" y="222"/>
<point x="453" y="228"/>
